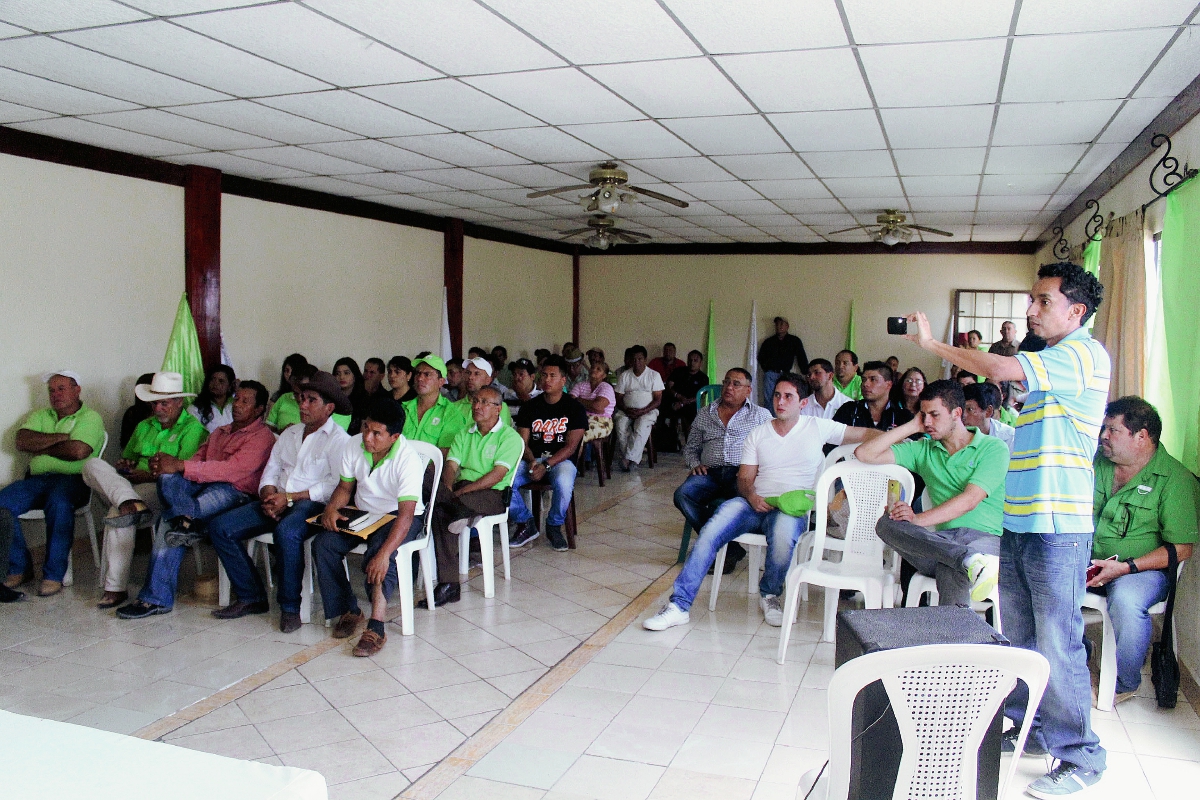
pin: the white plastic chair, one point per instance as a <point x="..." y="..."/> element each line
<point x="1107" y="693"/>
<point x="862" y="566"/>
<point x="483" y="527"/>
<point x="84" y="512"/>
<point x="257" y="546"/>
<point x="756" y="554"/>
<point x="843" y="452"/>
<point x="945" y="697"/>
<point x="923" y="584"/>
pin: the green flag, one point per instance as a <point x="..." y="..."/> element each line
<point x="712" y="344"/>
<point x="850" y="329"/>
<point x="183" y="349"/>
<point x="1091" y="257"/>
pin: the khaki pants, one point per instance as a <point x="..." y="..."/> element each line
<point x="116" y="489"/>
<point x="632" y="434"/>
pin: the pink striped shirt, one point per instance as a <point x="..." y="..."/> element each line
<point x="229" y="456"/>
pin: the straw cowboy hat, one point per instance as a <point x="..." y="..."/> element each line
<point x="164" y="386"/>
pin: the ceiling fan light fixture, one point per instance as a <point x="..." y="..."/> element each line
<point x="892" y="237"/>
<point x="598" y="241"/>
<point x="608" y="199"/>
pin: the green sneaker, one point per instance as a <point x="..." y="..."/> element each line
<point x="1063" y="780"/>
<point x="983" y="572"/>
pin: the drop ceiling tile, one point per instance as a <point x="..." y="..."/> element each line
<point x="380" y="155"/>
<point x="673" y="170"/>
<point x="712" y="191"/>
<point x="154" y="122"/>
<point x="630" y="30"/>
<point x="874" y="205"/>
<point x="332" y="186"/>
<point x="728" y="135"/>
<point x="450" y="103"/>
<point x="629" y="140"/>
<point x="305" y="160"/>
<point x="1027" y="202"/>
<point x="673" y="224"/>
<point x="1177" y="68"/>
<point x="482" y="217"/>
<point x="1136" y="115"/>
<point x="690" y="87"/>
<point x="941" y="161"/>
<point x="167" y="8"/>
<point x="1067" y="16"/>
<point x="808" y="205"/>
<point x="742" y="207"/>
<point x="185" y="54"/>
<point x="392" y="182"/>
<point x="1052" y="123"/>
<point x="939" y="205"/>
<point x="695" y="211"/>
<point x="542" y="145"/>
<point x="270" y="123"/>
<point x="12" y="112"/>
<point x="776" y="220"/>
<point x="916" y="74"/>
<point x="236" y="165"/>
<point x="44" y="16"/>
<point x="875" y="21"/>
<point x="462" y="199"/>
<point x="461" y="179"/>
<point x="948" y="126"/>
<point x="940" y="185"/>
<point x="75" y="66"/>
<point x="771" y="166"/>
<point x="437" y="32"/>
<point x="80" y="130"/>
<point x="851" y="164"/>
<point x="1099" y="157"/>
<point x="55" y="97"/>
<point x="530" y="176"/>
<point x="8" y="31"/>
<point x="1035" y="158"/>
<point x="517" y="213"/>
<point x="810" y="189"/>
<point x="708" y="238"/>
<point x="457" y="148"/>
<point x="1063" y="67"/>
<point x="550" y="203"/>
<point x="557" y="96"/>
<point x="831" y="130"/>
<point x="943" y="219"/>
<point x="296" y="37"/>
<point x="410" y="203"/>
<point x="1004" y="217"/>
<point x="353" y="112"/>
<point x="834" y="221"/>
<point x="863" y="187"/>
<point x="809" y="80"/>
<point x="997" y="233"/>
<point x="748" y="26"/>
<point x="1042" y="183"/>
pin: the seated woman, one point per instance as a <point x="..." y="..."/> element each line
<point x="284" y="410"/>
<point x="599" y="399"/>
<point x="214" y="405"/>
<point x="350" y="378"/>
<point x="399" y="377"/>
<point x="908" y="391"/>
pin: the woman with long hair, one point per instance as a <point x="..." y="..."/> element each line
<point x="350" y="378"/>
<point x="285" y="410"/>
<point x="909" y="389"/>
<point x="285" y="374"/>
<point x="214" y="405"/>
<point x="399" y="377"/>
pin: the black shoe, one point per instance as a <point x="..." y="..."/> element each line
<point x="443" y="593"/>
<point x="8" y="595"/>
<point x="240" y="609"/>
<point x="141" y="610"/>
<point x="523" y="534"/>
<point x="554" y="536"/>
<point x="1008" y="744"/>
<point x="289" y="622"/>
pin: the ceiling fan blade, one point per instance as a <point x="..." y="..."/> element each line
<point x="576" y="232"/>
<point x="625" y="237"/>
<point x="632" y="233"/>
<point x="929" y="230"/>
<point x="855" y="228"/>
<point x="559" y="190"/>
<point x="666" y="199"/>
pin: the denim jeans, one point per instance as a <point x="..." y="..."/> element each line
<point x="939" y="554"/>
<point x="58" y="496"/>
<point x="769" y="381"/>
<point x="1128" y="598"/>
<point x="696" y="494"/>
<point x="230" y="531"/>
<point x="731" y="520"/>
<point x="562" y="479"/>
<point x="331" y="547"/>
<point x="1041" y="587"/>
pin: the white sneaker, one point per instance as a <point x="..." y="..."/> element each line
<point x="670" y="616"/>
<point x="772" y="610"/>
<point x="983" y="572"/>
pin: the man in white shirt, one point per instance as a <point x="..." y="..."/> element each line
<point x="778" y="457"/>
<point x="983" y="403"/>
<point x="639" y="393"/>
<point x="825" y="399"/>
<point x="300" y="475"/>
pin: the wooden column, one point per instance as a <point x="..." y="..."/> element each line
<point x="202" y="256"/>
<point x="453" y="278"/>
<point x="575" y="297"/>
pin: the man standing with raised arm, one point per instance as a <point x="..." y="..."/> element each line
<point x="1048" y="527"/>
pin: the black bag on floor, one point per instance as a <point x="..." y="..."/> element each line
<point x="1164" y="668"/>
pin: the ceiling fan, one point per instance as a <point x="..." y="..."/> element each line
<point x="890" y="229"/>
<point x="606" y="197"/>
<point x="604" y="233"/>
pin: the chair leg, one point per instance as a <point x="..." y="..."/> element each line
<point x="831" y="608"/>
<point x="404" y="568"/>
<point x="265" y="550"/>
<point x="222" y="585"/>
<point x="1107" y="691"/>
<point x="570" y="525"/>
<point x="683" y="544"/>
<point x="90" y="522"/>
<point x="199" y="559"/>
<point x="306" y="584"/>
<point x="502" y="526"/>
<point x="464" y="551"/>
<point x="755" y="556"/>
<point x="69" y="577"/>
<point x="715" y="586"/>
<point x="791" y="592"/>
<point x="489" y="564"/>
<point x="429" y="570"/>
<point x="598" y="457"/>
<point x="651" y="455"/>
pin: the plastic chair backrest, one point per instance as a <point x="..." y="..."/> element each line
<point x="866" y="492"/>
<point x="944" y="697"/>
<point x="843" y="452"/>
<point x="429" y="452"/>
<point x="707" y="395"/>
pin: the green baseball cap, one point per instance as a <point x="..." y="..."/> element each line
<point x="432" y="361"/>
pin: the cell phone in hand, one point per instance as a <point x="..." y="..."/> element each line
<point x="1094" y="569"/>
<point x="895" y="494"/>
<point x="897" y="326"/>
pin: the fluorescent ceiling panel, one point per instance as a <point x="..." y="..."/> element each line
<point x="1050" y="68"/>
<point x="543" y="144"/>
<point x="353" y="112"/>
<point x="792" y="190"/>
<point x="1035" y="158"/>
<point x="153" y="122"/>
<point x="557" y="96"/>
<point x="917" y="74"/>
<point x="380" y="155"/>
<point x="270" y="123"/>
<point x="950" y="126"/>
<point x="728" y="135"/>
<point x="831" y="130"/>
<point x="1136" y="115"/>
<point x="941" y="161"/>
<point x="305" y="160"/>
<point x="851" y="164"/>
<point x="940" y="185"/>
<point x="61" y="15"/>
<point x="810" y="80"/>
<point x="748" y="26"/>
<point x="877" y="21"/>
<point x="1068" y="16"/>
<point x="457" y="148"/>
<point x="1177" y="68"/>
<point x="690" y="87"/>
<point x="236" y="165"/>
<point x="450" y="103"/>
<point x="55" y="97"/>
<point x="674" y="170"/>
<point x="629" y="140"/>
<point x="81" y="130"/>
<point x="1052" y="123"/>
<point x="770" y="166"/>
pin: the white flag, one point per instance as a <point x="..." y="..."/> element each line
<point x="447" y="349"/>
<point x="752" y="351"/>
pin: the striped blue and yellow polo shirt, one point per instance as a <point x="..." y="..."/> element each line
<point x="1050" y="480"/>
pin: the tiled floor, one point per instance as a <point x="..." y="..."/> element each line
<point x="700" y="711"/>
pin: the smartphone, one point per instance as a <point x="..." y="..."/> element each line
<point x="895" y="493"/>
<point x="1094" y="569"/>
<point x="897" y="326"/>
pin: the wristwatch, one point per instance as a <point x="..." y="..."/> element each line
<point x="288" y="497"/>
<point x="1133" y="567"/>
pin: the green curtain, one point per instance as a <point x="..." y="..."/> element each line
<point x="850" y="329"/>
<point x="1173" y="376"/>
<point x="711" y="358"/>
<point x="1091" y="262"/>
<point x="183" y="349"/>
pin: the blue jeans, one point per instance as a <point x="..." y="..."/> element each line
<point x="1128" y="598"/>
<point x="732" y="519"/>
<point x="695" y="495"/>
<point x="1041" y="587"/>
<point x="230" y="531"/>
<point x="769" y="381"/>
<point x="58" y="496"/>
<point x="331" y="547"/>
<point x="562" y="479"/>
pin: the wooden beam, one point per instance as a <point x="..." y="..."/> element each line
<point x="453" y="278"/>
<point x="73" y="154"/>
<point x="575" y="296"/>
<point x="202" y="256"/>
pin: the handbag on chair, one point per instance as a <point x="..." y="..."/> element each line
<point x="1164" y="668"/>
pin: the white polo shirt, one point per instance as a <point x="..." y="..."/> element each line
<point x="814" y="409"/>
<point x="1002" y="431"/>
<point x="394" y="480"/>
<point x="310" y="463"/>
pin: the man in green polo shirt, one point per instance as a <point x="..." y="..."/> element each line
<point x="478" y="373"/>
<point x="130" y="487"/>
<point x="957" y="541"/>
<point x="60" y="439"/>
<point x="430" y="416"/>
<point x="475" y="482"/>
<point x="1144" y="499"/>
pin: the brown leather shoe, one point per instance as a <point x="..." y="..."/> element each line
<point x="13" y="581"/>
<point x="239" y="609"/>
<point x="347" y="624"/>
<point x="289" y="622"/>
<point x="369" y="644"/>
<point x="50" y="588"/>
<point x="112" y="599"/>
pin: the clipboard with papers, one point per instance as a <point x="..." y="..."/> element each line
<point x="358" y="522"/>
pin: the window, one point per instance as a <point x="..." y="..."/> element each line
<point x="985" y="310"/>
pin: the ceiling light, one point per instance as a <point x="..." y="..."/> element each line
<point x="893" y="236"/>
<point x="608" y="199"/>
<point x="599" y="241"/>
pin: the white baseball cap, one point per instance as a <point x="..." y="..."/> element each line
<point x="481" y="363"/>
<point x="66" y="373"/>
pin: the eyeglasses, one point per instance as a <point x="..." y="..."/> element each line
<point x="486" y="403"/>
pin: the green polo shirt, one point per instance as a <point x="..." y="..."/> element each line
<point x="853" y="389"/>
<point x="84" y="426"/>
<point x="983" y="462"/>
<point x="464" y="408"/>
<point x="182" y="440"/>
<point x="1158" y="505"/>
<point x="477" y="453"/>
<point x="285" y="412"/>
<point x="441" y="423"/>
<point x="342" y="421"/>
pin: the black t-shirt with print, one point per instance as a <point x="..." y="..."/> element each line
<point x="548" y="424"/>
